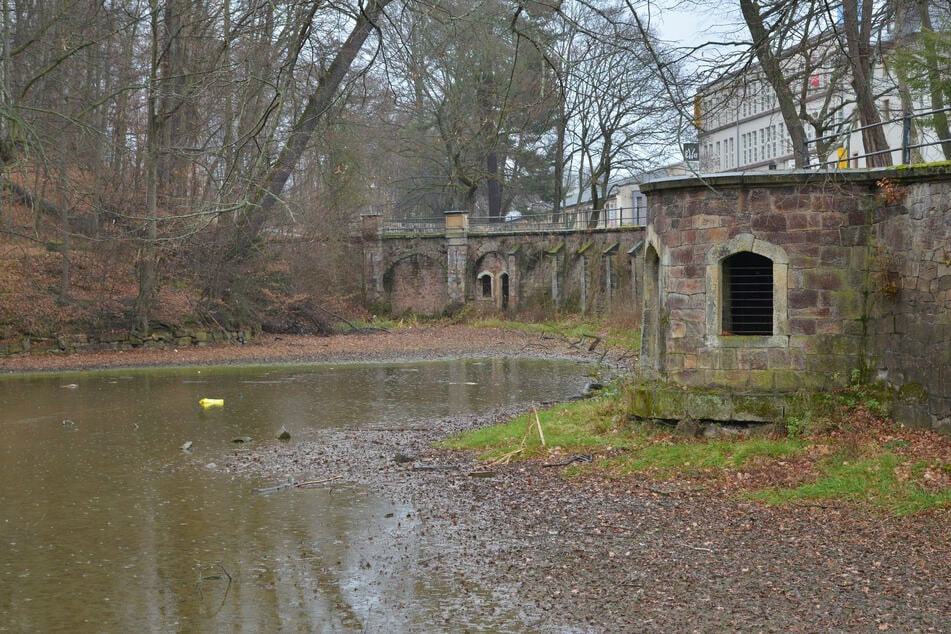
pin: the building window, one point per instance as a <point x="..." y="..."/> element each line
<point x="485" y="286"/>
<point x="747" y="302"/>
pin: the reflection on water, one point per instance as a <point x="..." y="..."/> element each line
<point x="106" y="524"/>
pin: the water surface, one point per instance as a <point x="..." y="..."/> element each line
<point x="106" y="524"/>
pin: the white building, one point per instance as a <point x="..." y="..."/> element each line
<point x="624" y="206"/>
<point x="741" y="128"/>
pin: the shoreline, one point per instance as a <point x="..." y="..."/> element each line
<point x="428" y="342"/>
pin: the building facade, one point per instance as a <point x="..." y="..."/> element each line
<point x="740" y="126"/>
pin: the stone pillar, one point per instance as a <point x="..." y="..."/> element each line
<point x="371" y="232"/>
<point x="609" y="273"/>
<point x="557" y="256"/>
<point x="514" y="279"/>
<point x="583" y="274"/>
<point x="457" y="254"/>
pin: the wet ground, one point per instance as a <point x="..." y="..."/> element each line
<point x="590" y="555"/>
<point x="586" y="554"/>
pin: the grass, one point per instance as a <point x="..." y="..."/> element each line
<point x="683" y="458"/>
<point x="876" y="480"/>
<point x="860" y="459"/>
<point x="580" y="427"/>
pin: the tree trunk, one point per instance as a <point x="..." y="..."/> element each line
<point x="777" y="80"/>
<point x="858" y="28"/>
<point x="934" y="78"/>
<point x="494" y="185"/>
<point x="256" y="212"/>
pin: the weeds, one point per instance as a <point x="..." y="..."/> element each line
<point x="842" y="449"/>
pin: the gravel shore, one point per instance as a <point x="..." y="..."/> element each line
<point x="587" y="554"/>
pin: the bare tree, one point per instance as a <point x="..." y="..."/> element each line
<point x="475" y="97"/>
<point x="858" y="27"/>
<point x="923" y="60"/>
<point x="617" y="106"/>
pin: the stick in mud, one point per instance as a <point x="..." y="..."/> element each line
<point x="297" y="484"/>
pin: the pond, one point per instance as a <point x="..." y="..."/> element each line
<point x="108" y="524"/>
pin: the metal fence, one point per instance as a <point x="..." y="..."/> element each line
<point x="909" y="122"/>
<point x="568" y="221"/>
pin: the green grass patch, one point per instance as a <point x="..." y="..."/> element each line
<point x="871" y="474"/>
<point x="579" y="427"/>
<point x="598" y="424"/>
<point x="872" y="480"/>
<point x="687" y="458"/>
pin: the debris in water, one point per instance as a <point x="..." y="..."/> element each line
<point x="283" y="434"/>
<point x="212" y="402"/>
<point x="187" y="446"/>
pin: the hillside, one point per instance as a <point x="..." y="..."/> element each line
<point x="47" y="291"/>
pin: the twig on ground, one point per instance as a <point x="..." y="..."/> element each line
<point x="505" y="459"/>
<point x="297" y="484"/>
<point x="310" y="483"/>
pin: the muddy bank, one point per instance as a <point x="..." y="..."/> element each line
<point x="591" y="555"/>
<point x="424" y="342"/>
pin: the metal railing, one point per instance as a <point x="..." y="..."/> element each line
<point x="841" y="139"/>
<point x="565" y="221"/>
<point x="414" y="226"/>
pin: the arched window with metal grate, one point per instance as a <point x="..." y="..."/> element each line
<point x="747" y="301"/>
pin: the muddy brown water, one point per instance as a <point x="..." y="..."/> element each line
<point x="108" y="524"/>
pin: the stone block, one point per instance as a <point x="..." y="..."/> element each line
<point x="802" y="298"/>
<point x="752" y="359"/>
<point x="768" y="222"/>
<point x="787" y="380"/>
<point x="727" y="359"/>
<point x="853" y="236"/>
<point x="823" y="279"/>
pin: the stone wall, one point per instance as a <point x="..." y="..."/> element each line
<point x="591" y="271"/>
<point x="860" y="277"/>
<point x="171" y="337"/>
<point x="910" y="318"/>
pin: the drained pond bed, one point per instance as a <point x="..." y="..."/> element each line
<point x="386" y="546"/>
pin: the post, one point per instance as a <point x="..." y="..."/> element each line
<point x="371" y="232"/>
<point x="457" y="253"/>
<point x="906" y="139"/>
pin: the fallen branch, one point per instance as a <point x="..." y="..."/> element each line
<point x="505" y="459"/>
<point x="575" y="458"/>
<point x="706" y="550"/>
<point x="297" y="484"/>
<point x="538" y="423"/>
<point x="435" y="467"/>
<point x="310" y="483"/>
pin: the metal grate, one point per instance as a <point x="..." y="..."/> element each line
<point x="748" y="309"/>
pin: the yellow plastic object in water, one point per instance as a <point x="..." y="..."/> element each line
<point x="212" y="402"/>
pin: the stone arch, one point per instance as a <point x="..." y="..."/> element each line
<point x="490" y="269"/>
<point x="415" y="283"/>
<point x="504" y="290"/>
<point x="652" y="335"/>
<point x="721" y="262"/>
